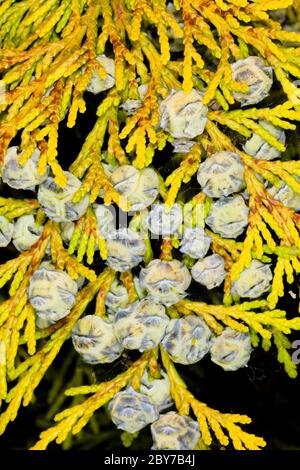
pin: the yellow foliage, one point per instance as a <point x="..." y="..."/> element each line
<point x="75" y="418"/>
<point x="48" y="55"/>
<point x="208" y="418"/>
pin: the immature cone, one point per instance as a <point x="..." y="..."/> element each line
<point x="195" y="243"/>
<point x="259" y="148"/>
<point x="95" y="340"/>
<point x="26" y="232"/>
<point x="131" y="411"/>
<point x="139" y="188"/>
<point x="228" y="216"/>
<point x="67" y="230"/>
<point x="42" y="323"/>
<point x="257" y="75"/>
<point x="221" y="174"/>
<point x="182" y="145"/>
<point x="21" y="176"/>
<point x="183" y="115"/>
<point x="105" y="219"/>
<point x="157" y="390"/>
<point x="165" y="281"/>
<point x="131" y="106"/>
<point x="141" y="325"/>
<point x="51" y="292"/>
<point x="209" y="271"/>
<point x="140" y="290"/>
<point x="57" y="202"/>
<point x="175" y="432"/>
<point x="253" y="281"/>
<point x="125" y="249"/>
<point x="97" y="84"/>
<point x="6" y="231"/>
<point x="163" y="220"/>
<point x="187" y="339"/>
<point x="231" y="350"/>
<point x="286" y="195"/>
<point x="117" y="297"/>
